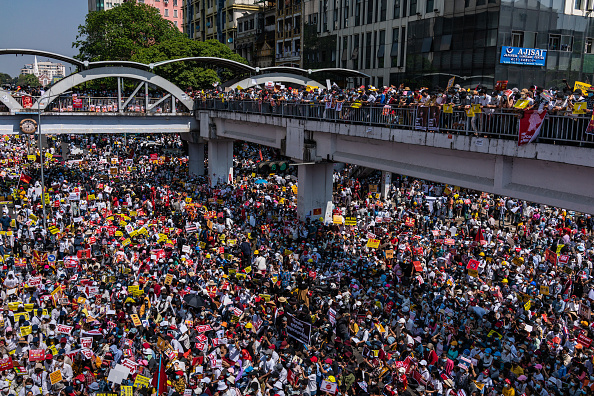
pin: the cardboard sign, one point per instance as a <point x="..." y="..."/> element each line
<point x="127" y="390"/>
<point x="56" y="377"/>
<point x="168" y="279"/>
<point x="472" y="265"/>
<point x="136" y="320"/>
<point x="585" y="341"/>
<point x="544" y="290"/>
<point x="473" y="273"/>
<point x="418" y="266"/>
<point x="329" y="387"/>
<point x="389" y="254"/>
<point x="86" y="342"/>
<point x="373" y="243"/>
<point x="36" y="355"/>
<point x="141" y="381"/>
<point x="63" y="329"/>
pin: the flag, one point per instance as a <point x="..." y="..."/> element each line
<point x="530" y="126"/>
<point x="160" y="378"/>
<point x="25" y="179"/>
<point x="479" y="236"/>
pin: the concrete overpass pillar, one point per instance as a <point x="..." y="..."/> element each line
<point x="386" y="182"/>
<point x="196" y="159"/>
<point x="314" y="189"/>
<point x="220" y="161"/>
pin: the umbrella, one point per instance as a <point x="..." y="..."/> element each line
<point x="261" y="181"/>
<point x="193" y="300"/>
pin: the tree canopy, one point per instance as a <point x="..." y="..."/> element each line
<point x="138" y="32"/>
<point x="27" y="79"/>
<point x="188" y="73"/>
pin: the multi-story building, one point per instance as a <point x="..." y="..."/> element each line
<point x="289" y="33"/>
<point x="169" y="9"/>
<point x="216" y="19"/>
<point x="426" y="42"/>
<point x="46" y="72"/>
<point x="256" y="35"/>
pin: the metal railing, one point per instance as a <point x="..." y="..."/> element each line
<point x="560" y="129"/>
<point x="103" y="105"/>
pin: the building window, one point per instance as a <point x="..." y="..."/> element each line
<point x="394" y="50"/>
<point x="369" y="11"/>
<point x="517" y="39"/>
<point x="175" y="3"/>
<point x="383" y="10"/>
<point x="589" y="47"/>
<point x="559" y="42"/>
<point x="381" y="49"/>
<point x="396" y="9"/>
<point x="175" y="13"/>
<point x="368" y="51"/>
<point x="175" y="22"/>
<point x="357" y="12"/>
<point x="430" y="6"/>
<point x="427" y="42"/>
<point x="413" y="7"/>
<point x="166" y="12"/>
<point x="578" y="4"/>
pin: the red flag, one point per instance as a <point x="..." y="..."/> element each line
<point x="25" y="179"/>
<point x="479" y="236"/>
<point x="160" y="378"/>
<point x="530" y="126"/>
<point x="260" y="151"/>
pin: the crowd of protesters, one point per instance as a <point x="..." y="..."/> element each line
<point x="150" y="281"/>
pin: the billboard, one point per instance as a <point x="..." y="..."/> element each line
<point x="523" y="56"/>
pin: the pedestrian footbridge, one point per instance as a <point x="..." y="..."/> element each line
<point x="479" y="153"/>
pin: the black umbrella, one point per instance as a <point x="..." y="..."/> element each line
<point x="194" y="300"/>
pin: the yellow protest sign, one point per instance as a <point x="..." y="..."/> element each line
<point x="294" y="188"/>
<point x="350" y="221"/>
<point x="544" y="290"/>
<point x="119" y="233"/>
<point x="248" y="269"/>
<point x="469" y="112"/>
<point x="580" y="85"/>
<point x="132" y="289"/>
<point x="473" y="273"/>
<point x="56" y="377"/>
<point x="476" y="108"/>
<point x="337" y="219"/>
<point x="522" y="103"/>
<point x="26" y="330"/>
<point x="580" y="107"/>
<point x="32" y="157"/>
<point x="13" y="306"/>
<point x="126" y="390"/>
<point x="136" y="320"/>
<point x="373" y="243"/>
<point x="168" y="279"/>
<point x="29" y="307"/>
<point x="448" y="108"/>
<point x="527" y="306"/>
<point x="141" y="381"/>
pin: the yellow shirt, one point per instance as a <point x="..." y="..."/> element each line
<point x="508" y="391"/>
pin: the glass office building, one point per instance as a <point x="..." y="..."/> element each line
<point x="426" y="42"/>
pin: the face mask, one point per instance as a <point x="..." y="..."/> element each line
<point x="28" y="386"/>
<point x="85" y="372"/>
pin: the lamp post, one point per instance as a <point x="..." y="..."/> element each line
<point x="48" y="98"/>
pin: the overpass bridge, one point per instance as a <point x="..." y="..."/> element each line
<point x="484" y="155"/>
<point x="479" y="153"/>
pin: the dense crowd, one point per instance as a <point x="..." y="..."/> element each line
<point x="148" y="280"/>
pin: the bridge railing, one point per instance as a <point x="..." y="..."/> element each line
<point x="102" y="105"/>
<point x="561" y="129"/>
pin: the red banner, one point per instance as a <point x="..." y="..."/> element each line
<point x="27" y="102"/>
<point x="472" y="265"/>
<point x="530" y="126"/>
<point x="6" y="364"/>
<point x="36" y="355"/>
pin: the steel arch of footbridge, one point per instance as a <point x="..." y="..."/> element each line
<point x="104" y="72"/>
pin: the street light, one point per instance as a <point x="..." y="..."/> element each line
<point x="48" y="98"/>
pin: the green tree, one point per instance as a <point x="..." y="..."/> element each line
<point x="5" y="78"/>
<point x="188" y="73"/>
<point x="117" y="34"/>
<point x="27" y="79"/>
<point x="138" y="32"/>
